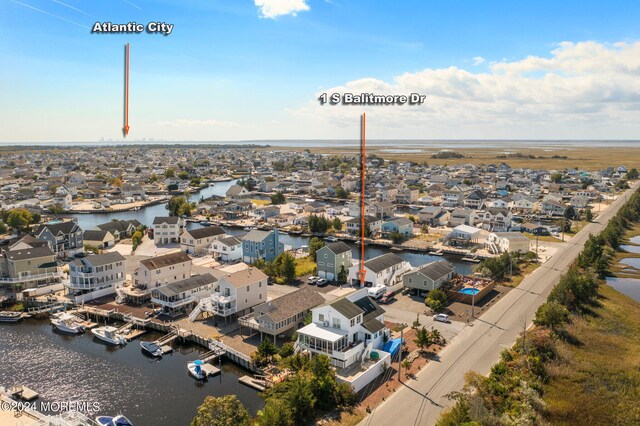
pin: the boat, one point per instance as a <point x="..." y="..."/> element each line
<point x="8" y="316"/>
<point x="118" y="420"/>
<point x="109" y="334"/>
<point x="205" y="223"/>
<point x="473" y="259"/>
<point x="414" y="207"/>
<point x="136" y="208"/>
<point x="331" y="239"/>
<point x="195" y="369"/>
<point x="152" y="349"/>
<point x="67" y="323"/>
<point x="248" y="228"/>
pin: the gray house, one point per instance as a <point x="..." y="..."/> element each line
<point x="331" y="258"/>
<point x="65" y="239"/>
<point x="430" y="276"/>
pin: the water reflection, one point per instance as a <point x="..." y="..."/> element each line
<point x="626" y="286"/>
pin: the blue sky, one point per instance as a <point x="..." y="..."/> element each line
<point x="244" y="69"/>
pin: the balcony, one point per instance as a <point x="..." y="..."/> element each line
<point x="92" y="283"/>
<point x="51" y="276"/>
<point x="223" y="305"/>
<point x="174" y="304"/>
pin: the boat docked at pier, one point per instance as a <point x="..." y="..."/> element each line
<point x="67" y="323"/>
<point x="151" y="349"/>
<point x="118" y="420"/>
<point x="8" y="316"/>
<point x="196" y="370"/>
<point x="110" y="335"/>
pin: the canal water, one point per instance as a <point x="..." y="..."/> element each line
<point x="119" y="380"/>
<point x="147" y="214"/>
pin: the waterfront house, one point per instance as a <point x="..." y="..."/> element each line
<point x="64" y="238"/>
<point x="95" y="276"/>
<point x="182" y="296"/>
<point x="384" y="270"/>
<point x="374" y="223"/>
<point x="282" y="315"/>
<point x="62" y="201"/>
<point x="167" y="229"/>
<point x="98" y="239"/>
<point x="237" y="192"/>
<point x="332" y="258"/>
<point x="29" y="268"/>
<point x="261" y="245"/>
<point x="236" y="293"/>
<point x="197" y="241"/>
<point x="226" y="249"/>
<point x="161" y="270"/>
<point x="429" y="277"/>
<point x="462" y="216"/>
<point x="400" y="225"/>
<point x="463" y="234"/>
<point x="348" y="330"/>
<point x="266" y="212"/>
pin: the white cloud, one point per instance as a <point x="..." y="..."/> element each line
<point x="478" y="60"/>
<point x="273" y="8"/>
<point x="582" y="90"/>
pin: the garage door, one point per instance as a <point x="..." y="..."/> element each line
<point x="321" y="274"/>
<point x="330" y="276"/>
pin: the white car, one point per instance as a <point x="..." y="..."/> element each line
<point x="441" y="317"/>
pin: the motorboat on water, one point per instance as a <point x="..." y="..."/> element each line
<point x="67" y="323"/>
<point x="331" y="239"/>
<point x="110" y="335"/>
<point x="152" y="349"/>
<point x="195" y="369"/>
<point x="8" y="316"/>
<point x="118" y="420"/>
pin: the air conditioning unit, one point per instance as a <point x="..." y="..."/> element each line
<point x="325" y="323"/>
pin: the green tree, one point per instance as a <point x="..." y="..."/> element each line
<point x="551" y="315"/>
<point x="342" y="193"/>
<point x="137" y="170"/>
<point x="184" y="175"/>
<point x="315" y="244"/>
<point x="278" y="198"/>
<point x="588" y="215"/>
<point x="342" y="275"/>
<point x="556" y="177"/>
<point x="3" y="228"/>
<point x="221" y="411"/>
<point x="632" y="174"/>
<point x="170" y="173"/>
<point x="275" y="413"/>
<point x="397" y="237"/>
<point x="436" y="300"/>
<point x="179" y="206"/>
<point x="336" y="224"/>
<point x="136" y="239"/>
<point x="19" y="219"/>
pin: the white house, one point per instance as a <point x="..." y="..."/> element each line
<point x="95" y="276"/>
<point x="197" y="241"/>
<point x="511" y="242"/>
<point x="62" y="201"/>
<point x="227" y="249"/>
<point x="348" y="330"/>
<point x="167" y="229"/>
<point x="384" y="270"/>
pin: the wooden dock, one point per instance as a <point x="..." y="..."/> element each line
<point x="134" y="334"/>
<point x="210" y="370"/>
<point x="256" y="384"/>
<point x="24" y="393"/>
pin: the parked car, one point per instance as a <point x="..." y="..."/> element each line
<point x="322" y="282"/>
<point x="388" y="297"/>
<point x="441" y="317"/>
<point x="312" y="280"/>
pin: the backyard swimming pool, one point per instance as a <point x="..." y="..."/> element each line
<point x="469" y="290"/>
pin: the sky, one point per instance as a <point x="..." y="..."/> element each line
<point x="254" y="69"/>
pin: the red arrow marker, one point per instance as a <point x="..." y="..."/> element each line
<point x="125" y="129"/>
<point x="363" y="156"/>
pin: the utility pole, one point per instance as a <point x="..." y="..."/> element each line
<point x="400" y="357"/>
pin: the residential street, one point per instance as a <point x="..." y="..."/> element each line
<point x="478" y="346"/>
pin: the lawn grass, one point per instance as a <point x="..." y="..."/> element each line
<point x="525" y="270"/>
<point x="547" y="238"/>
<point x="597" y="380"/>
<point x="260" y="202"/>
<point x="305" y="266"/>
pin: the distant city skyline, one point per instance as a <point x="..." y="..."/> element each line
<point x="252" y="70"/>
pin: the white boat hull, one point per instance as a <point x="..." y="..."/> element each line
<point x="195" y="374"/>
<point x="67" y="328"/>
<point x="117" y="339"/>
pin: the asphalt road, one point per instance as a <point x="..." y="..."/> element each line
<point x="478" y="346"/>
